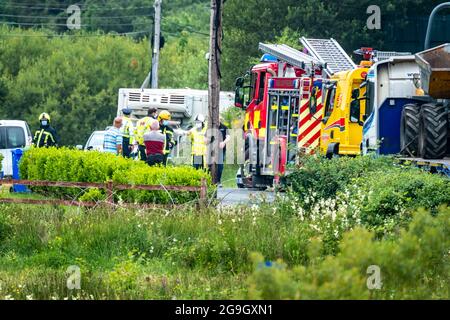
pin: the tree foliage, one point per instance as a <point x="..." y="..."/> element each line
<point x="247" y="23"/>
<point x="76" y="79"/>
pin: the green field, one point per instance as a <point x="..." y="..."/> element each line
<point x="315" y="242"/>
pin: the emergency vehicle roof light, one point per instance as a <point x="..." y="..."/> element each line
<point x="268" y="58"/>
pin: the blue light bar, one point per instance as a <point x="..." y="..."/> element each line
<point x="268" y="58"/>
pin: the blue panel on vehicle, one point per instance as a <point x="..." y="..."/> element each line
<point x="368" y="123"/>
<point x="390" y="114"/>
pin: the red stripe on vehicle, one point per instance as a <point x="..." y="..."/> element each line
<point x="314" y="138"/>
<point x="339" y="123"/>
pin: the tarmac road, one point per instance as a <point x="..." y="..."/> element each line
<point x="228" y="196"/>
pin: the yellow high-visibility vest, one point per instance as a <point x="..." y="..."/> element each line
<point x="142" y="126"/>
<point x="198" y="141"/>
<point x="127" y="129"/>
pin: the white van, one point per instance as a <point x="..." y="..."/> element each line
<point x="14" y="134"/>
<point x="95" y="141"/>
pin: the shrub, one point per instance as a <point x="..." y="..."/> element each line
<point x="1" y="159"/>
<point x="79" y="166"/>
<point x="324" y="178"/>
<point x="385" y="200"/>
<point x="416" y="266"/>
<point x="334" y="196"/>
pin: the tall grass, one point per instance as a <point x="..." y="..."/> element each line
<point x="194" y="250"/>
<point x="207" y="254"/>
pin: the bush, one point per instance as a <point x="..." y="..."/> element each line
<point x="324" y="178"/>
<point x="334" y="196"/>
<point x="383" y="199"/>
<point x="417" y="266"/>
<point x="1" y="159"/>
<point x="73" y="165"/>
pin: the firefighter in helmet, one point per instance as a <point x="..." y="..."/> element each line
<point x="46" y="136"/>
<point x="163" y="119"/>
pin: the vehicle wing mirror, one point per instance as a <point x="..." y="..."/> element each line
<point x="355" y="111"/>
<point x="355" y="94"/>
<point x="239" y="93"/>
<point x="313" y="102"/>
<point x="239" y="97"/>
<point x="240" y="82"/>
<point x="90" y="148"/>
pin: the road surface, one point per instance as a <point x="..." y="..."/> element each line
<point x="228" y="196"/>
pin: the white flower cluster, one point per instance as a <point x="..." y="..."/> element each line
<point x="332" y="215"/>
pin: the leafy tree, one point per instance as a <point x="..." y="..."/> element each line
<point x="247" y="23"/>
<point x="76" y="80"/>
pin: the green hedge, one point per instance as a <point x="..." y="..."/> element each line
<point x="73" y="165"/>
<point x="379" y="194"/>
<point x="1" y="159"/>
<point x="380" y="185"/>
<point x="415" y="266"/>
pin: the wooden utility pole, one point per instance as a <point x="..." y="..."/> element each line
<point x="156" y="35"/>
<point x="215" y="49"/>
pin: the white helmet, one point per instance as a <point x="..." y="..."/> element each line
<point x="200" y="117"/>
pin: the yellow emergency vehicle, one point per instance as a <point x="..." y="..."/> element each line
<point x="344" y="112"/>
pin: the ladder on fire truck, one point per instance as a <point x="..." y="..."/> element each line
<point x="289" y="55"/>
<point x="329" y="52"/>
<point x="284" y="106"/>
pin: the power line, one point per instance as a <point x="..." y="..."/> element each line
<point x="190" y="28"/>
<point x="8" y="6"/>
<point x="43" y="5"/>
<point x="65" y="24"/>
<point x="58" y="17"/>
<point x="73" y="35"/>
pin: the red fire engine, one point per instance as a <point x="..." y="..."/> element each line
<point x="282" y="97"/>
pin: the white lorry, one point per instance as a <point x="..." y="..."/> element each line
<point x="183" y="104"/>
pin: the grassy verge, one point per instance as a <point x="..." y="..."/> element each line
<point x="5" y="193"/>
<point x="316" y="242"/>
<point x="229" y="176"/>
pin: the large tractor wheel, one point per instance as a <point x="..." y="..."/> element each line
<point x="433" y="132"/>
<point x="409" y="130"/>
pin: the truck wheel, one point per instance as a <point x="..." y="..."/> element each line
<point x="240" y="178"/>
<point x="409" y="130"/>
<point x="433" y="132"/>
<point x="333" y="151"/>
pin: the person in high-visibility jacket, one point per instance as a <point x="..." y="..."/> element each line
<point x="164" y="118"/>
<point x="198" y="140"/>
<point x="127" y="131"/>
<point x="46" y="136"/>
<point x="143" y="125"/>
